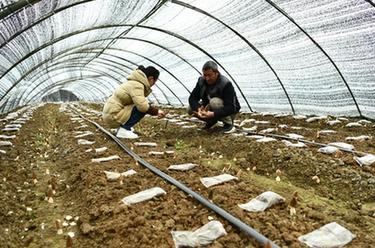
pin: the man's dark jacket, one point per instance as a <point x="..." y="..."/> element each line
<point x="222" y="89"/>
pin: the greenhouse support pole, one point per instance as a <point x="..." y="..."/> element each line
<point x="15" y="7"/>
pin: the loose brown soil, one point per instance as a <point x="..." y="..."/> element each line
<point x="345" y="193"/>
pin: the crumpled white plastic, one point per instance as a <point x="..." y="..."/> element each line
<point x="247" y="121"/>
<point x="368" y="159"/>
<point x="84" y="134"/>
<point x="250" y="129"/>
<point x="99" y="160"/>
<point x="146" y="144"/>
<point x="265" y="139"/>
<point x="353" y="124"/>
<point x="101" y="150"/>
<point x="342" y="145"/>
<point x="13" y="126"/>
<point x="290" y="144"/>
<point x="268" y="130"/>
<point x="295" y="136"/>
<point x="211" y="181"/>
<point x="255" y="137"/>
<point x="331" y="235"/>
<point x="360" y="138"/>
<point x="328" y="149"/>
<point x="262" y="202"/>
<point x="327" y="132"/>
<point x="334" y="122"/>
<point x="85" y="142"/>
<point x="204" y="235"/>
<point x="5" y="143"/>
<point x="143" y="195"/>
<point x="299" y="117"/>
<point x="182" y="167"/>
<point x="113" y="176"/>
<point x="317" y="118"/>
<point x="7" y="136"/>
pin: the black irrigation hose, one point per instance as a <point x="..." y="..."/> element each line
<point x="224" y="214"/>
<point x="305" y="141"/>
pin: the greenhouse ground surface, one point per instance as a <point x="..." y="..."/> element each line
<point x="45" y="149"/>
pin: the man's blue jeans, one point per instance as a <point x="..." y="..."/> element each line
<point x="135" y="117"/>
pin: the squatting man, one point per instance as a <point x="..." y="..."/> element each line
<point x="214" y="99"/>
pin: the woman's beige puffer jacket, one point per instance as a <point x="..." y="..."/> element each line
<point x="133" y="92"/>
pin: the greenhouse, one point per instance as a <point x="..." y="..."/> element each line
<point x="187" y="123"/>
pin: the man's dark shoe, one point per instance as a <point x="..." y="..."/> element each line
<point x="228" y="128"/>
<point x="209" y="124"/>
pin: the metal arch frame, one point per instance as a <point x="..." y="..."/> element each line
<point x="51" y="97"/>
<point x="79" y="77"/>
<point x="158" y="5"/>
<point x="370" y="2"/>
<point x="120" y="69"/>
<point x="60" y="85"/>
<point x="65" y="82"/>
<point x="128" y="61"/>
<point x="67" y="50"/>
<point x="16" y="6"/>
<point x="96" y="70"/>
<point x="320" y="48"/>
<point x="18" y="99"/>
<point x="42" y="19"/>
<point x="129" y="25"/>
<point x="6" y="101"/>
<point x="244" y="39"/>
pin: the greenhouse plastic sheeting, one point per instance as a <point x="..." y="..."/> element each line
<point x="311" y="57"/>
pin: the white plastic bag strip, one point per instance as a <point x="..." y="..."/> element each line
<point x="113" y="176"/>
<point x="84" y="134"/>
<point x="146" y="144"/>
<point x="342" y="145"/>
<point x="99" y="160"/>
<point x="7" y="136"/>
<point x="5" y="143"/>
<point x="202" y="236"/>
<point x="290" y="144"/>
<point x="3" y="152"/>
<point x="10" y="129"/>
<point x="359" y="138"/>
<point x="255" y="137"/>
<point x="353" y="124"/>
<point x="331" y="235"/>
<point x="188" y="126"/>
<point x="154" y="153"/>
<point x="317" y="118"/>
<point x="143" y="195"/>
<point x="267" y="130"/>
<point x="334" y="122"/>
<point x="250" y="129"/>
<point x="295" y="136"/>
<point x="211" y="181"/>
<point x="85" y="142"/>
<point x="262" y="202"/>
<point x="368" y="159"/>
<point x="326" y="132"/>
<point x="182" y="167"/>
<point x="266" y="139"/>
<point x="328" y="149"/>
<point x="13" y="126"/>
<point x="101" y="150"/>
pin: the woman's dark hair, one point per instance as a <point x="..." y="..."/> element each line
<point x="150" y="71"/>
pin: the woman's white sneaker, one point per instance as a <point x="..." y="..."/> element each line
<point x="122" y="133"/>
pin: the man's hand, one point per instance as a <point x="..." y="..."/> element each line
<point x="204" y="114"/>
<point x="161" y="113"/>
